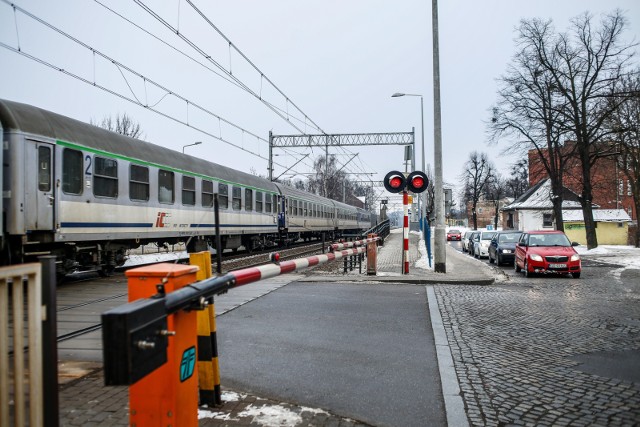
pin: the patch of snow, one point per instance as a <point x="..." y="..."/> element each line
<point x="423" y="262"/>
<point x="271" y="416"/>
<point x="133" y="260"/>
<point x="204" y="414"/>
<point x="232" y="396"/>
<point x="628" y="256"/>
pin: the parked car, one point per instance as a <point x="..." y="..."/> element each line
<point x="475" y="236"/>
<point x="454" y="234"/>
<point x="481" y="245"/>
<point x="502" y="247"/>
<point x="547" y="252"/>
<point x="465" y="240"/>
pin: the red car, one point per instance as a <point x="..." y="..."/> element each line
<point x="546" y="252"/>
<point x="454" y="234"/>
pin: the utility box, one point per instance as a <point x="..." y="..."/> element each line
<point x="169" y="394"/>
<point x="133" y="343"/>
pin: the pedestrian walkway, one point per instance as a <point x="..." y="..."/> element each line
<point x="84" y="400"/>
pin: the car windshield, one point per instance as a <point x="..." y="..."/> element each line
<point x="487" y="236"/>
<point x="454" y="231"/>
<point x="509" y="238"/>
<point x="548" y="240"/>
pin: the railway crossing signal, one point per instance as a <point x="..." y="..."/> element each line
<point x="416" y="182"/>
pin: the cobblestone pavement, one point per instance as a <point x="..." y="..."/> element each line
<point x="513" y="347"/>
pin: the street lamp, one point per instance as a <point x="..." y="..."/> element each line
<point x="396" y="95"/>
<point x="189" y="145"/>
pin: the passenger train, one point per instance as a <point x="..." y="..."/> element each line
<point x="88" y="195"/>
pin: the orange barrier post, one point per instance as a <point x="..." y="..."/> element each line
<point x="168" y="395"/>
<point x="372" y="255"/>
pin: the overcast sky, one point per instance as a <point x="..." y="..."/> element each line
<point x="338" y="61"/>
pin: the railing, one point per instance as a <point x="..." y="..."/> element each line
<point x="382" y="230"/>
<point x="15" y="282"/>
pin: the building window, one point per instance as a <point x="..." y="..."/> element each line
<point x="139" y="183"/>
<point x="71" y="171"/>
<point x="188" y="191"/>
<point x="207" y="193"/>
<point x="223" y="196"/>
<point x="620" y="187"/>
<point x="547" y="220"/>
<point x="105" y="177"/>
<point x="166" y="187"/>
<point x="628" y="188"/>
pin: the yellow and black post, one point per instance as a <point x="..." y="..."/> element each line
<point x="208" y="368"/>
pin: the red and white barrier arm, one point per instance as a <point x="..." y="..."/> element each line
<point x="345" y="245"/>
<point x="253" y="274"/>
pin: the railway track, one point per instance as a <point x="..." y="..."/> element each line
<point x="82" y="300"/>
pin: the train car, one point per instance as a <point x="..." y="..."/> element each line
<point x="304" y="215"/>
<point x="87" y="195"/>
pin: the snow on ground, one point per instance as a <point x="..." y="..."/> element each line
<point x="628" y="256"/>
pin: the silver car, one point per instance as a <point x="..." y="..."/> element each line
<point x="481" y="245"/>
<point x="465" y="240"/>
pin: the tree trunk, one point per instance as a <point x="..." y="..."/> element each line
<point x="556" y="200"/>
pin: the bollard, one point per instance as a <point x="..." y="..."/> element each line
<point x="169" y="394"/>
<point x="372" y="256"/>
<point x="208" y="366"/>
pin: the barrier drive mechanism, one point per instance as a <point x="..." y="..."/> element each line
<point x="155" y="344"/>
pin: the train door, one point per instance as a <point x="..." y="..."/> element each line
<point x="39" y="188"/>
<point x="282" y="214"/>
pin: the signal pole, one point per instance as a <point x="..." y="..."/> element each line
<point x="440" y="255"/>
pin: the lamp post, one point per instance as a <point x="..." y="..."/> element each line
<point x="396" y="95"/>
<point x="189" y="145"/>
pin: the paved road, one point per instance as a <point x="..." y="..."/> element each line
<point x="361" y="351"/>
<point x="546" y="350"/>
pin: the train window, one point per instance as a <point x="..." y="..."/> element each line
<point x="72" y="171"/>
<point x="166" y="187"/>
<point x="44" y="169"/>
<point x="306" y="211"/>
<point x="207" y="193"/>
<point x="259" y="201"/>
<point x="105" y="177"/>
<point x="223" y="196"/>
<point x="236" y="195"/>
<point x="268" y="206"/>
<point x="188" y="191"/>
<point x="248" y="199"/>
<point x="139" y="183"/>
<point x="274" y="208"/>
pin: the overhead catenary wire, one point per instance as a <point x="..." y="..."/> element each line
<point x="135" y="99"/>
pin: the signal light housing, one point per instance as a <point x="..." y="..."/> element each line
<point x="394" y="182"/>
<point x="417" y="182"/>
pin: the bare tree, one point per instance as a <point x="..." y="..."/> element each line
<point x="530" y="109"/>
<point x="496" y="189"/>
<point x="583" y="67"/>
<point x="626" y="125"/>
<point x="123" y="125"/>
<point x="478" y="172"/>
<point x="518" y="182"/>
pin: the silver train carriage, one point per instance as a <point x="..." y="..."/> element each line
<point x="87" y="195"/>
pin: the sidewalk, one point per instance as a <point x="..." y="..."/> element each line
<point x="84" y="400"/>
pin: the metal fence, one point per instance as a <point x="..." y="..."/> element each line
<point x="20" y="300"/>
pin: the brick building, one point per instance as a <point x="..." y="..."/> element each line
<point x="611" y="189"/>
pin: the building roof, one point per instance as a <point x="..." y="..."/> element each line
<point x="599" y="215"/>
<point x="539" y="197"/>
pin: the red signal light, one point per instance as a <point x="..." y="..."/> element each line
<point x="417" y="181"/>
<point x="274" y="257"/>
<point x="395" y="182"/>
